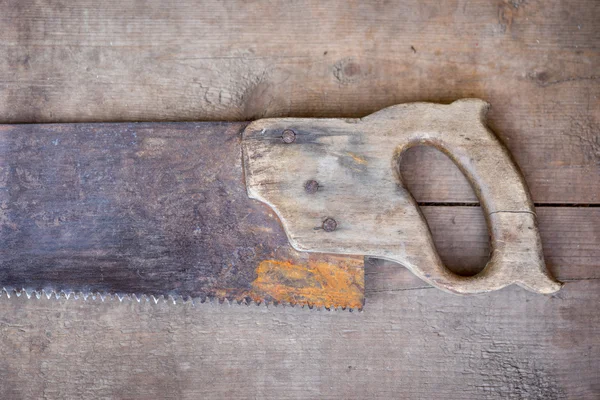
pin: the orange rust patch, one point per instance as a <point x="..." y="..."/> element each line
<point x="318" y="282"/>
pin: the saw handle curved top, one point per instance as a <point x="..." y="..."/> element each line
<point x="356" y="166"/>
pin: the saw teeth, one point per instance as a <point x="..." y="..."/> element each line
<point x="174" y="299"/>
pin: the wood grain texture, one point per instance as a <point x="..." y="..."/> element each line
<point x="415" y="344"/>
<point x="535" y="61"/>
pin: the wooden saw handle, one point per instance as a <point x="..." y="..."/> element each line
<point x="356" y="203"/>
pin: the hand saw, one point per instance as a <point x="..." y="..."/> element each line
<point x="280" y="210"/>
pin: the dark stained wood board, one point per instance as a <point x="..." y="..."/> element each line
<point x="536" y="62"/>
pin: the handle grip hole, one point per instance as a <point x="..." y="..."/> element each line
<point x="450" y="207"/>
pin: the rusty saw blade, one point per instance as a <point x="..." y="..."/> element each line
<point x="156" y="209"/>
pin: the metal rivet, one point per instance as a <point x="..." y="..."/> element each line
<point x="311" y="186"/>
<point x="329" y="225"/>
<point x="288" y="136"/>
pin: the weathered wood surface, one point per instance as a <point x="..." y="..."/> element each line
<point x="416" y="344"/>
<point x="536" y="62"/>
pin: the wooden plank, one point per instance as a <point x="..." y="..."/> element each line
<point x="411" y="344"/>
<point x="536" y="62"/>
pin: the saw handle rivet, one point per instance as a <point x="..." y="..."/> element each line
<point x="311" y="186"/>
<point x="329" y="225"/>
<point x="288" y="136"/>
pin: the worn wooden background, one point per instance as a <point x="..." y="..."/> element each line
<point x="538" y="64"/>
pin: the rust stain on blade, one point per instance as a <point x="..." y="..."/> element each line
<point x="322" y="282"/>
